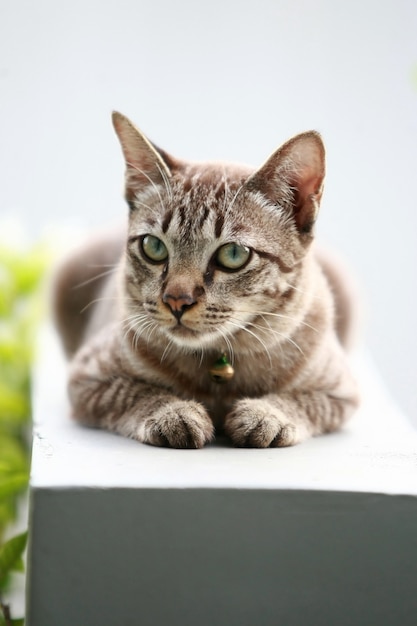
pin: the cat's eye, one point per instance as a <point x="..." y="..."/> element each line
<point x="154" y="249"/>
<point x="232" y="256"/>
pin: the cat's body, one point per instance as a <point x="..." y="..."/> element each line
<point x="218" y="275"/>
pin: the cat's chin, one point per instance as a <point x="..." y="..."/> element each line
<point x="186" y="338"/>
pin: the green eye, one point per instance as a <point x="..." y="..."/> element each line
<point x="154" y="249"/>
<point x="232" y="256"/>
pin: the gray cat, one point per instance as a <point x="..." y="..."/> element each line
<point x="221" y="315"/>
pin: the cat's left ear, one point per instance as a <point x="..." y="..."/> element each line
<point x="144" y="164"/>
<point x="293" y="178"/>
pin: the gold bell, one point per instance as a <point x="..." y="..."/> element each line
<point x="221" y="371"/>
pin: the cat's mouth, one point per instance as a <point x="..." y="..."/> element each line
<point x="185" y="336"/>
<point x="182" y="329"/>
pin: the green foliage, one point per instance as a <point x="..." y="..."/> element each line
<point x="11" y="556"/>
<point x="21" y="274"/>
<point x="11" y="622"/>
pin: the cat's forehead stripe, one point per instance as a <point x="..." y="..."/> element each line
<point x="166" y="220"/>
<point x="219" y="225"/>
<point x="204" y="215"/>
<point x="202" y="204"/>
<point x="196" y="206"/>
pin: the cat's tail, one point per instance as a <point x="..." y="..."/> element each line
<point x="79" y="280"/>
<point x="347" y="298"/>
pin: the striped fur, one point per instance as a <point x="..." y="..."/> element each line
<point x="140" y="366"/>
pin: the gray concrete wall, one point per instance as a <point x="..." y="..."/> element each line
<point x="222" y="558"/>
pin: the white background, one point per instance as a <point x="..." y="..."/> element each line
<point x="230" y="80"/>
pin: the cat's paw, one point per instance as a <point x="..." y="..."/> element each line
<point x="179" y="424"/>
<point x="255" y="423"/>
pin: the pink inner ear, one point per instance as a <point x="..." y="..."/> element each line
<point x="307" y="187"/>
<point x="144" y="165"/>
<point x="305" y="176"/>
<point x="308" y="182"/>
<point x="140" y="159"/>
<point x="293" y="177"/>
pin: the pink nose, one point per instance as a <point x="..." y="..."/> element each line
<point x="178" y="304"/>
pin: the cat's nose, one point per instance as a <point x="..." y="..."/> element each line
<point x="178" y="304"/>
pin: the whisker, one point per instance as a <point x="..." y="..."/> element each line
<point x="223" y="333"/>
<point x="201" y="356"/>
<point x="91" y="280"/>
<point x="250" y="332"/>
<point x="104" y="298"/>
<point x="166" y="180"/>
<point x="229" y="208"/>
<point x="133" y="322"/>
<point x="303" y="291"/>
<point x="282" y="316"/>
<point x="150" y="208"/>
<point x="132" y="319"/>
<point x="153" y="328"/>
<point x="278" y="334"/>
<point x="142" y="330"/>
<point x="167" y="349"/>
<point x="274" y="331"/>
<point x="114" y="265"/>
<point x="226" y="190"/>
<point x="154" y="185"/>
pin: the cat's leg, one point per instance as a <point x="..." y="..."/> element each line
<point x="279" y="420"/>
<point x="105" y="394"/>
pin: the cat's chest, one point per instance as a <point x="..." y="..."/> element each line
<point x="192" y="376"/>
<point x="196" y="379"/>
<point x="251" y="378"/>
<point x="220" y="377"/>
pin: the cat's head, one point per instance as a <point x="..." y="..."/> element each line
<point x="216" y="251"/>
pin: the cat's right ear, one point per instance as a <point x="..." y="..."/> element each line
<point x="144" y="165"/>
<point x="293" y="178"/>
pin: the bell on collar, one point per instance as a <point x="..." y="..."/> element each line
<point x="221" y="371"/>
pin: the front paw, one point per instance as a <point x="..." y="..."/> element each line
<point x="255" y="423"/>
<point x="179" y="424"/>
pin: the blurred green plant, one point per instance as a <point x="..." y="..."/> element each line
<point x="21" y="304"/>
